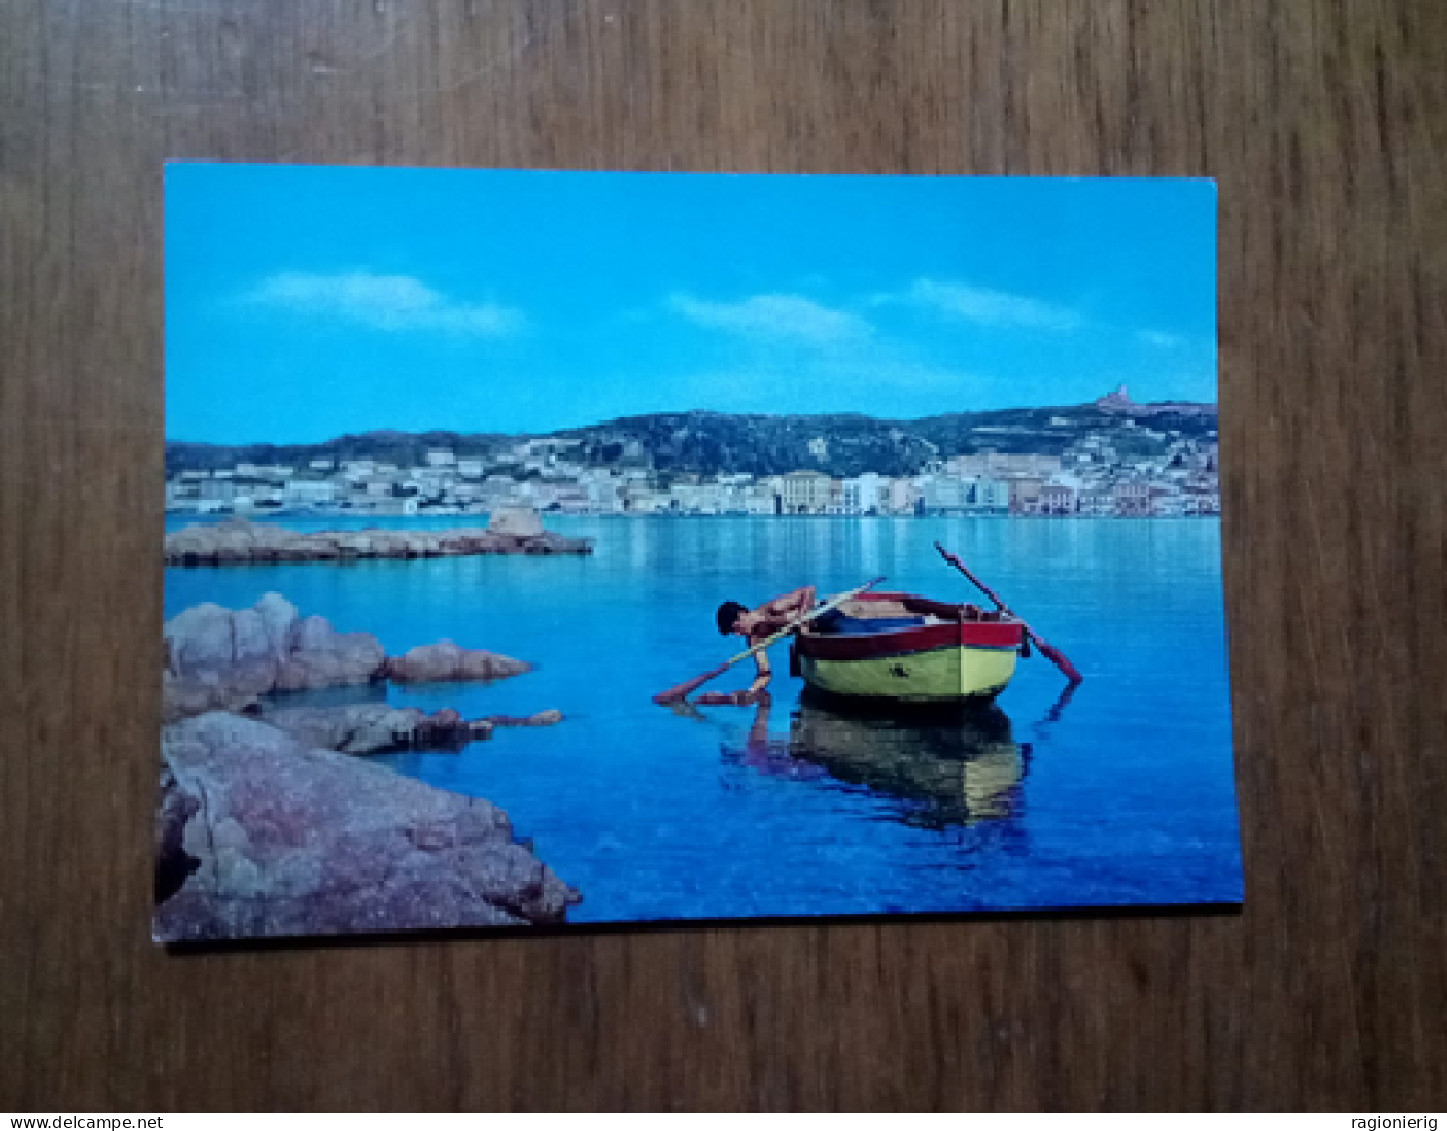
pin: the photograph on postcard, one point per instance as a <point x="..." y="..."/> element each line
<point x="556" y="548"/>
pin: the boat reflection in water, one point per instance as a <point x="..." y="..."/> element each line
<point x="953" y="769"/>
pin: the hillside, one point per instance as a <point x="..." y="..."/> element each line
<point x="711" y="443"/>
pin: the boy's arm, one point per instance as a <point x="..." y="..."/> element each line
<point x="761" y="679"/>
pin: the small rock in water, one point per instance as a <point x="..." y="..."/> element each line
<point x="445" y="662"/>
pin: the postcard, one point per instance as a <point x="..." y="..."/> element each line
<point x="571" y="548"/>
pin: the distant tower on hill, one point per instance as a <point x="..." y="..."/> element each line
<point x="1120" y="399"/>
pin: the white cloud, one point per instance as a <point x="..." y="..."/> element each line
<point x="1161" y="339"/>
<point x="774" y="316"/>
<point x="986" y="307"/>
<point x="382" y="302"/>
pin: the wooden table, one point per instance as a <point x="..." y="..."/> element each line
<point x="1324" y="123"/>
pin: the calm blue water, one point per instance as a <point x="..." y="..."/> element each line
<point x="1126" y="797"/>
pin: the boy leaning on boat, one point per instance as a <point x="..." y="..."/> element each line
<point x="758" y="624"/>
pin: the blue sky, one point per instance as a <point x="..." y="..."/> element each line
<point x="303" y="302"/>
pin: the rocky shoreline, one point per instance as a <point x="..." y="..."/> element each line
<point x="270" y="824"/>
<point x="238" y="541"/>
<point x="258" y="835"/>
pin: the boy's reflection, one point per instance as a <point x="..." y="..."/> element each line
<point x="771" y="757"/>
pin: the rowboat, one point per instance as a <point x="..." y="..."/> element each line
<point x="903" y="649"/>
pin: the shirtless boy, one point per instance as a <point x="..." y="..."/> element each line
<point x="757" y="625"/>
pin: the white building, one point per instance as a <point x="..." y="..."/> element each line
<point x="1097" y="501"/>
<point x="807" y="492"/>
<point x="760" y="499"/>
<point x="865" y="494"/>
<point x="903" y="495"/>
<point x="604" y="494"/>
<point x="991" y="495"/>
<point x="309" y="492"/>
<point x="946" y="494"/>
<point x="441" y="457"/>
<point x="500" y="490"/>
<point x="645" y="501"/>
<point x="221" y="491"/>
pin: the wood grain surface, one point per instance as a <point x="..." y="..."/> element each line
<point x="1323" y="121"/>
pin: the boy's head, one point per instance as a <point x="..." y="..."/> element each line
<point x="728" y="615"/>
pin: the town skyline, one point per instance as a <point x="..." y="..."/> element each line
<point x="1113" y="457"/>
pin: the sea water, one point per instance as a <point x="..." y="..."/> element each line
<point x="1122" y="794"/>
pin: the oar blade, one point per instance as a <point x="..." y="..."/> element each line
<point x="684" y="690"/>
<point x="1057" y="657"/>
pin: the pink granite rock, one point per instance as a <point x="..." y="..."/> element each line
<point x="267" y="837"/>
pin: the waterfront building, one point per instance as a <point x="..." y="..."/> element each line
<point x="644" y="500"/>
<point x="1167" y="502"/>
<point x="571" y="500"/>
<point x="217" y="491"/>
<point x="1132" y="498"/>
<point x="761" y="499"/>
<point x="1057" y="499"/>
<point x="1202" y="501"/>
<point x="604" y="494"/>
<point x="390" y="506"/>
<point x="945" y="494"/>
<point x="806" y="492"/>
<point x="903" y="496"/>
<point x="990" y="495"/>
<point x="499" y="490"/>
<point x="1025" y="494"/>
<point x="865" y="494"/>
<point x="1096" y="501"/>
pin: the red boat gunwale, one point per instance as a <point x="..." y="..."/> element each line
<point x="1002" y="634"/>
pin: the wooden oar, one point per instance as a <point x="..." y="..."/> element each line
<point x="684" y="690"/>
<point x="1051" y="653"/>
